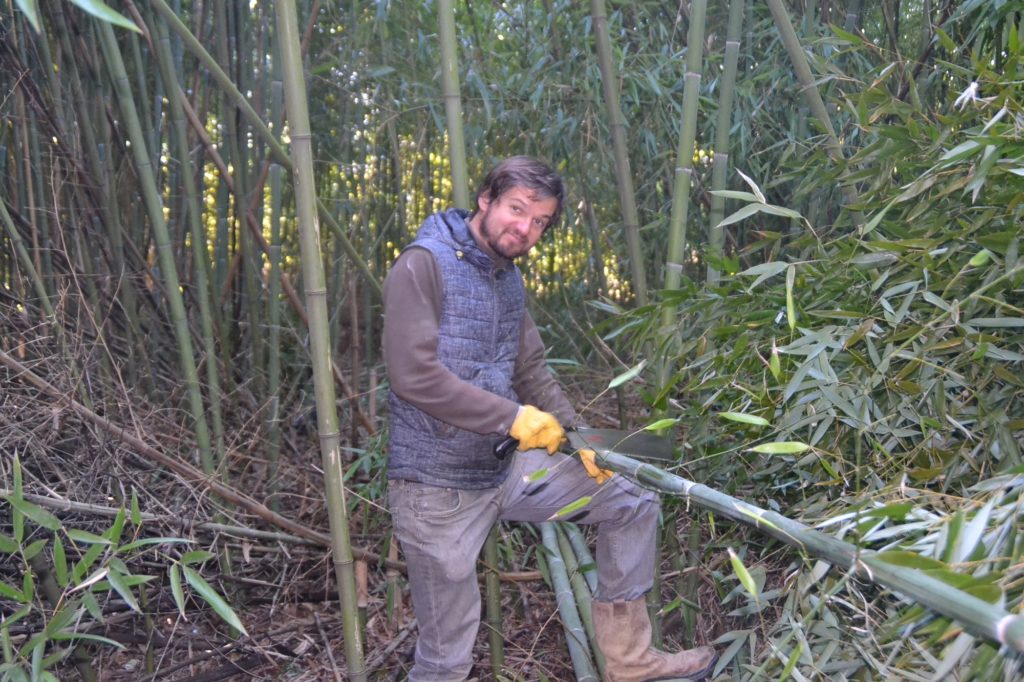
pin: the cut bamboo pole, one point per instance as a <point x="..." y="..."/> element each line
<point x="581" y="590"/>
<point x="316" y="304"/>
<point x="977" y="616"/>
<point x="575" y="636"/>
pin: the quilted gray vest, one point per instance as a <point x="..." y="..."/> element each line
<point x="478" y="340"/>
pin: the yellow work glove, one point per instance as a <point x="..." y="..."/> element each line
<point x="535" y="428"/>
<point x="595" y="472"/>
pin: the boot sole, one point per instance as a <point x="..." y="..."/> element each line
<point x="698" y="676"/>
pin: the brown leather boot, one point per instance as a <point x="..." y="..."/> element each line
<point x="624" y="635"/>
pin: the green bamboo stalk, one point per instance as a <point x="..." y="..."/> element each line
<point x="453" y="102"/>
<point x="583" y="556"/>
<point x="813" y="97"/>
<point x="492" y="586"/>
<point x="676" y="260"/>
<point x="853" y="16"/>
<point x="315" y="294"/>
<point x="460" y="184"/>
<point x="277" y="152"/>
<point x="623" y="174"/>
<point x="274" y="327"/>
<point x="193" y="217"/>
<point x="581" y="590"/>
<point x="238" y="161"/>
<point x="978" y="617"/>
<point x="575" y="636"/>
<point x="154" y="209"/>
<point x="720" y="168"/>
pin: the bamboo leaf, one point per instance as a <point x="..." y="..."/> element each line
<point x="136" y="513"/>
<point x="210" y="595"/>
<point x="790" y="306"/>
<point x="30" y="9"/>
<point x="72" y="636"/>
<point x="1009" y="322"/>
<point x="791" y="662"/>
<point x="733" y="194"/>
<point x="174" y="574"/>
<point x="8" y="544"/>
<point x="781" y="448"/>
<point x="740" y="214"/>
<point x="745" y="418"/>
<point x="196" y="557"/>
<point x="980" y="258"/>
<point x="11" y="593"/>
<point x="117" y="581"/>
<point x="743" y="574"/>
<point x="35" y="512"/>
<point x="753" y="186"/>
<point x="571" y="507"/>
<point x="661" y="424"/>
<point x="85" y="537"/>
<point x="536" y="475"/>
<point x="775" y="365"/>
<point x="764" y="271"/>
<point x="628" y="375"/>
<point x="103" y="12"/>
<point x="910" y="560"/>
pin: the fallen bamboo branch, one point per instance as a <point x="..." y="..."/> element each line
<point x="978" y="617"/>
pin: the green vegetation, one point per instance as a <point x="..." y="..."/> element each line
<point x="829" y="192"/>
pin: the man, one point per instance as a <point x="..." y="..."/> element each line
<point x="466" y="367"/>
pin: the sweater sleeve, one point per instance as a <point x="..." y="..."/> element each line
<point x="533" y="381"/>
<point x="413" y="296"/>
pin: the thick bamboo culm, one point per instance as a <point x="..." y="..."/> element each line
<point x="319" y="342"/>
<point x="978" y="617"/>
<point x="575" y="636"/>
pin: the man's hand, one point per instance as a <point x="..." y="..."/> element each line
<point x="535" y="428"/>
<point x="595" y="472"/>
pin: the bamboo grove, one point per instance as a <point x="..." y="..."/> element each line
<point x="791" y="241"/>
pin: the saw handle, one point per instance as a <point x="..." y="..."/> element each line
<point x="504" y="448"/>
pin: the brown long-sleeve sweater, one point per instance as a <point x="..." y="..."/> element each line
<point x="412" y="303"/>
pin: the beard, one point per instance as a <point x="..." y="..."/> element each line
<point x="501" y="241"/>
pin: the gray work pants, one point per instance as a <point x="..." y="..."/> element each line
<point x="441" y="532"/>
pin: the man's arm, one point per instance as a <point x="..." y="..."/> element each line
<point x="533" y="381"/>
<point x="413" y="294"/>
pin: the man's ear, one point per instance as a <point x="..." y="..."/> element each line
<point x="483" y="201"/>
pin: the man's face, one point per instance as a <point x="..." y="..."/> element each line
<point x="511" y="224"/>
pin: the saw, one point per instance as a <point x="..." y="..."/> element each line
<point x="642" y="444"/>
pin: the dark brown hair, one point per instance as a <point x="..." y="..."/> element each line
<point x="524" y="171"/>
